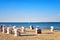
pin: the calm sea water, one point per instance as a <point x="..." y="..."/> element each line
<point x="42" y="25"/>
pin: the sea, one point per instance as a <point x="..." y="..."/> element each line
<point x="42" y="25"/>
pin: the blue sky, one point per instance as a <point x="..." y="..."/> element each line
<point x="29" y="10"/>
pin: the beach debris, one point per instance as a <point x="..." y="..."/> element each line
<point x="52" y="28"/>
<point x="9" y="30"/>
<point x="16" y="32"/>
<point x="4" y="29"/>
<point x="31" y="27"/>
<point x="23" y="29"/>
<point x="38" y="31"/>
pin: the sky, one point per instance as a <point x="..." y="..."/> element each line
<point x="29" y="10"/>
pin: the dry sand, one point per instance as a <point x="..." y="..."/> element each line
<point x="46" y="35"/>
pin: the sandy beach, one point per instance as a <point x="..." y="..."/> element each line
<point x="30" y="35"/>
<point x="29" y="19"/>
